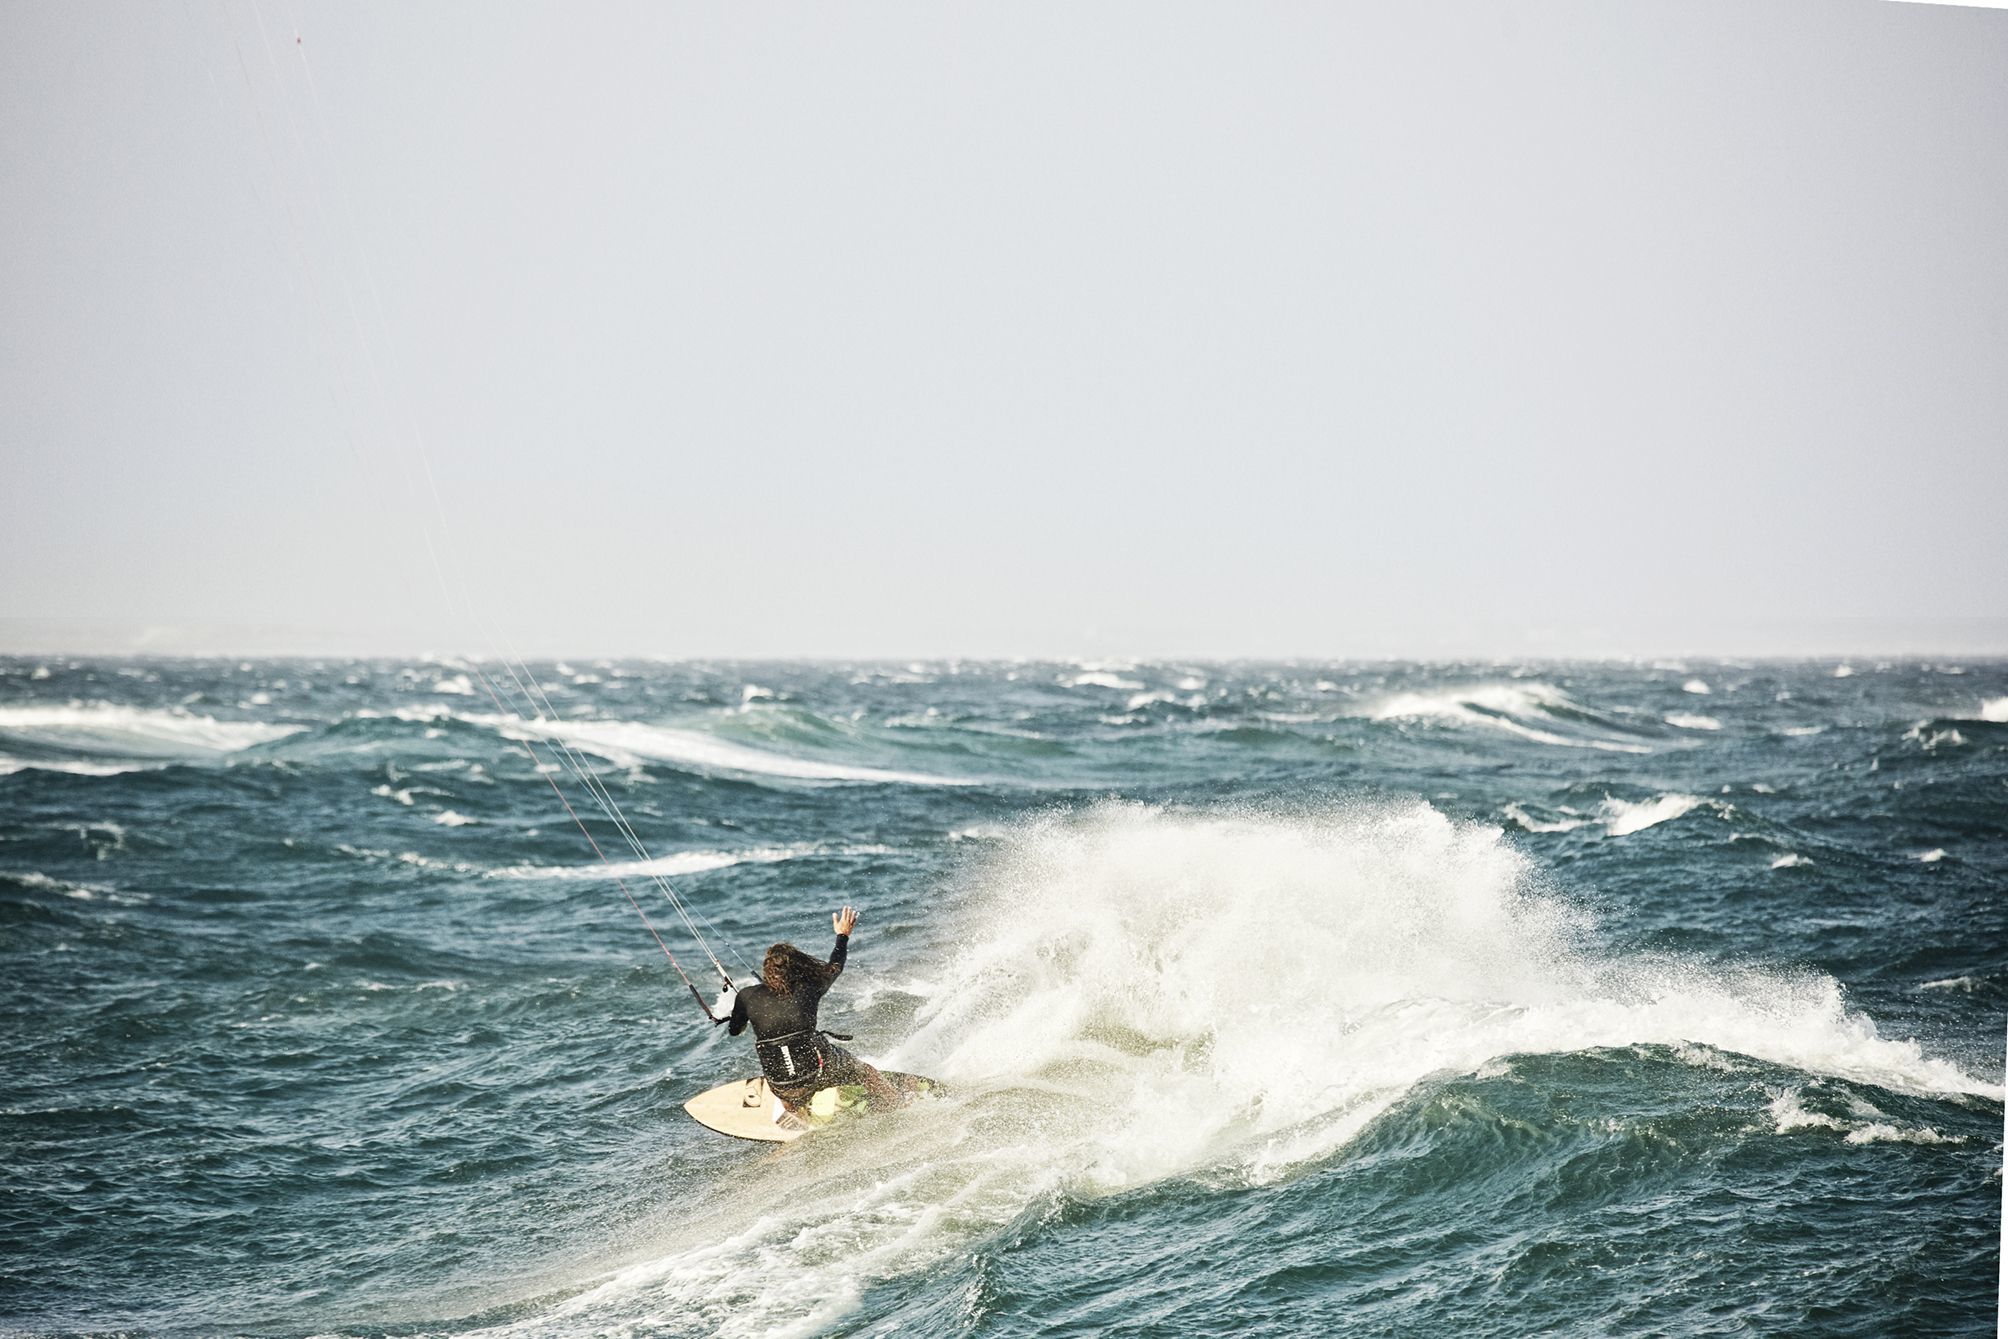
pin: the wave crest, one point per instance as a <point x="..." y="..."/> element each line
<point x="1253" y="989"/>
<point x="1532" y="710"/>
<point x="100" y="731"/>
<point x="631" y="743"/>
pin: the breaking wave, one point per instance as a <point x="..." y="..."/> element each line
<point x="1619" y="818"/>
<point x="1141" y="994"/>
<point x="630" y="744"/>
<point x="1531" y="710"/>
<point x="104" y="738"/>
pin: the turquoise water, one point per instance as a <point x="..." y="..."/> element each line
<point x="1397" y="999"/>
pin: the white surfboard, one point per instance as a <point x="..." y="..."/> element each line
<point x="745" y="1109"/>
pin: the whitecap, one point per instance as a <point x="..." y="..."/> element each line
<point x="1930" y="740"/>
<point x="1994" y="709"/>
<point x="628" y="743"/>
<point x="1882" y="1133"/>
<point x="1699" y="686"/>
<point x="1931" y="857"/>
<point x="454" y="685"/>
<point x="1789" y="1113"/>
<point x="134" y="732"/>
<point x="1790" y="860"/>
<point x="1101" y="679"/>
<point x="449" y="818"/>
<point x="1532" y="824"/>
<point x="1624" y="817"/>
<point x="678" y="863"/>
<point x="1689" y="721"/>
<point x="1498" y="706"/>
<point x="82" y="892"/>
<point x="1419" y="945"/>
<point x="8" y="766"/>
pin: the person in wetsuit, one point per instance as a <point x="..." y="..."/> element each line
<point x="796" y="1056"/>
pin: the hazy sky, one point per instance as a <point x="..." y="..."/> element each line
<point x="909" y="329"/>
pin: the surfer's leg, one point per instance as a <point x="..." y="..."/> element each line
<point x="792" y="1099"/>
<point x="847" y="1068"/>
<point x="879" y="1089"/>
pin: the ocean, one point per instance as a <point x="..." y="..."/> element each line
<point x="1274" y="999"/>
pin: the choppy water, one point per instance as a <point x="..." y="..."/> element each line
<point x="1277" y="999"/>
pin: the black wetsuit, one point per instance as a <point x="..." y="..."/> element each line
<point x="795" y="1056"/>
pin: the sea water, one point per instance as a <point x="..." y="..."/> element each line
<point x="1274" y="998"/>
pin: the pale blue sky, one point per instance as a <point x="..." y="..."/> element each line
<point x="903" y="329"/>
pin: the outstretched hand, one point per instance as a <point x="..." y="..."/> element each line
<point x="843" y="921"/>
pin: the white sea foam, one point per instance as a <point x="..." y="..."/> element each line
<point x="1790" y="860"/>
<point x="1931" y="740"/>
<point x="1881" y="1132"/>
<point x="1994" y="709"/>
<point x="1933" y="856"/>
<point x="1498" y="706"/>
<point x="629" y="744"/>
<point x="1789" y="1113"/>
<point x="1624" y="817"/>
<point x="1101" y="679"/>
<point x="8" y="766"/>
<point x="1695" y="686"/>
<point x="1707" y="1057"/>
<point x="1689" y="721"/>
<point x="130" y="733"/>
<point x="454" y="685"/>
<point x="1620" y="818"/>
<point x="677" y="863"/>
<point x="1531" y="824"/>
<point x="1844" y="671"/>
<point x="451" y="819"/>
<point x="82" y="892"/>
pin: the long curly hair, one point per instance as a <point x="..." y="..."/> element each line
<point x="787" y="970"/>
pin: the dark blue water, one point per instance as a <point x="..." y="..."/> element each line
<point x="1280" y="999"/>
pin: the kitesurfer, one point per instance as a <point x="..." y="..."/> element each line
<point x="797" y="1058"/>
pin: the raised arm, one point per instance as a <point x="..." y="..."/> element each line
<point x="843" y="922"/>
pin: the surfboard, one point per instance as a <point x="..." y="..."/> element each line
<point x="745" y="1109"/>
